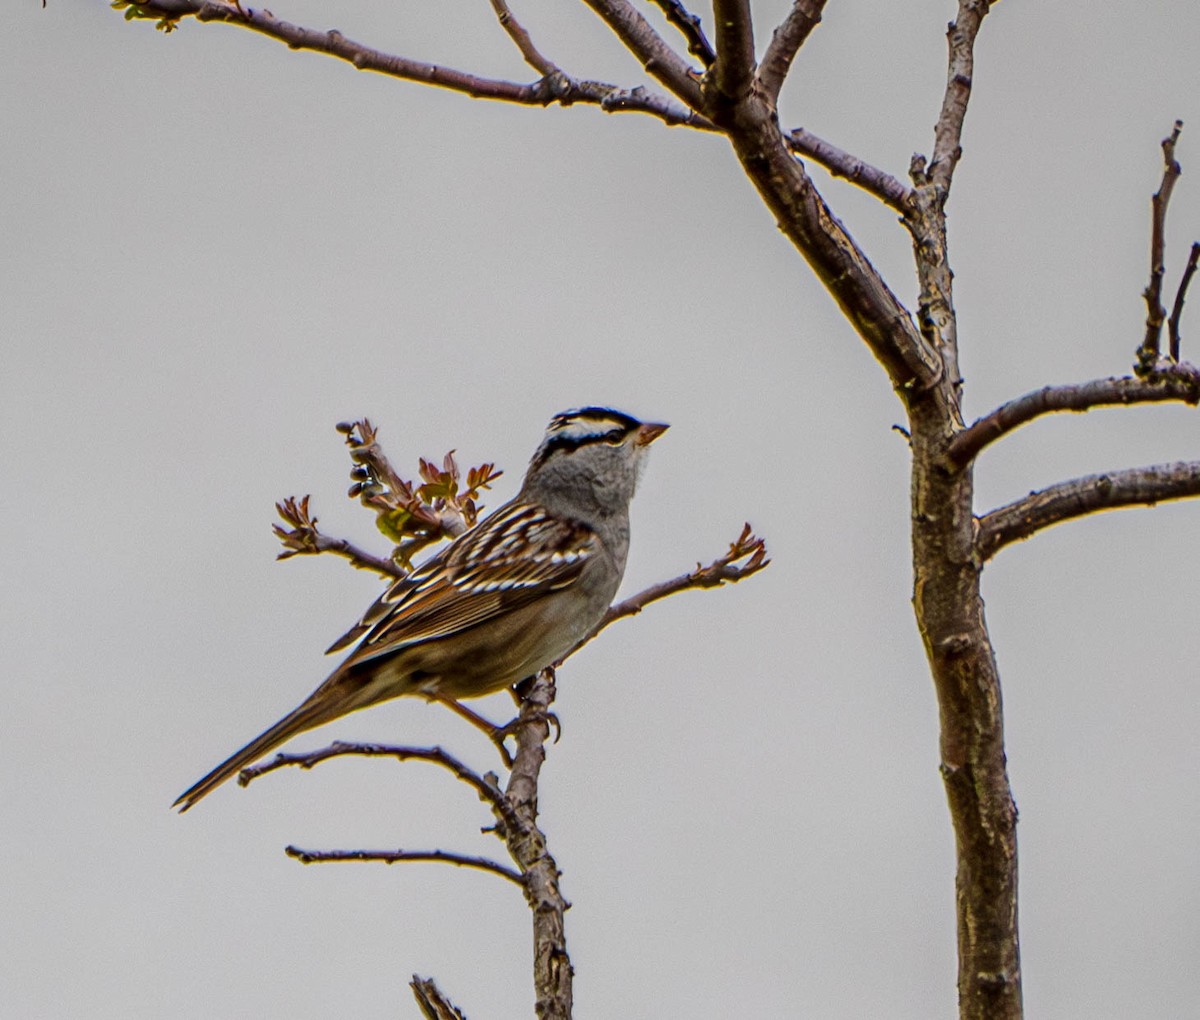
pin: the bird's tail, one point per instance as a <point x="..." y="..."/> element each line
<point x="312" y="713"/>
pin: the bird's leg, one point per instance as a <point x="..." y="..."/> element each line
<point x="519" y="692"/>
<point x="496" y="734"/>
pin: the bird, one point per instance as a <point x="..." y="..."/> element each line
<point x="512" y="595"/>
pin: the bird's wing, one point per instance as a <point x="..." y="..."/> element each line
<point x="514" y="556"/>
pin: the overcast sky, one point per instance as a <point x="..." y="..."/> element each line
<point x="213" y="249"/>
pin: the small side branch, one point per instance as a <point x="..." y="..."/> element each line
<point x="303" y="538"/>
<point x="840" y="163"/>
<point x="691" y="28"/>
<point x="399" y="856"/>
<point x="1180" y="296"/>
<point x="487" y="789"/>
<point x="1155" y="313"/>
<point x="747" y="555"/>
<point x="522" y="40"/>
<point x="947" y="139"/>
<point x="1178" y="382"/>
<point x="786" y="41"/>
<point x="1065" y="501"/>
<point x="733" y="73"/>
<point x="433" y="1003"/>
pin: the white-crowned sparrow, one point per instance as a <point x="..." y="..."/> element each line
<point x="512" y="595"/>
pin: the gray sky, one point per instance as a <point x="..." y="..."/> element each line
<point x="213" y="249"/>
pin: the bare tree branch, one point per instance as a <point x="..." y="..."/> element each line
<point x="1065" y="501"/>
<point x="1155" y="313"/>
<point x="553" y="88"/>
<point x="785" y="43"/>
<point x="1180" y="296"/>
<point x="947" y="144"/>
<point x="521" y="38"/>
<point x="747" y="555"/>
<point x="400" y="856"/>
<point x="434" y="1004"/>
<point x="488" y="791"/>
<point x="733" y="73"/>
<point x="842" y="164"/>
<point x="691" y="28"/>
<point x="657" y="58"/>
<point x="1178" y="382"/>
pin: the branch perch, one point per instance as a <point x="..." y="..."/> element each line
<point x="552" y="968"/>
<point x="1143" y="486"/>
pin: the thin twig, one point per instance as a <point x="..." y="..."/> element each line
<point x="1065" y="501"/>
<point x="521" y="38"/>
<point x="488" y="791"/>
<point x="733" y="73"/>
<point x="1155" y="313"/>
<point x="785" y="43"/>
<point x="691" y="28"/>
<point x="400" y="856"/>
<point x="747" y="555"/>
<point x="1180" y="295"/>
<point x="947" y="142"/>
<point x="840" y="163"/>
<point x="1177" y="382"/>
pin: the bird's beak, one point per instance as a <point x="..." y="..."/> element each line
<point x="649" y="431"/>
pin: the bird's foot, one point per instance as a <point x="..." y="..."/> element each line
<point x="496" y="734"/>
